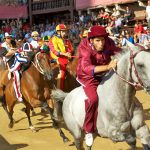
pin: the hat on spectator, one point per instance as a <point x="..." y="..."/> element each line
<point x="97" y="31"/>
<point x="27" y="47"/>
<point x="7" y="35"/>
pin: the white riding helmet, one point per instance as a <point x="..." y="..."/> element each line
<point x="27" y="47"/>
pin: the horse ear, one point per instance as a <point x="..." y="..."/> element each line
<point x="132" y="46"/>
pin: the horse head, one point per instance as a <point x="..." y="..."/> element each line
<point x="43" y="65"/>
<point x="139" y="65"/>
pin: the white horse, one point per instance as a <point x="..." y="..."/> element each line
<point x="120" y="114"/>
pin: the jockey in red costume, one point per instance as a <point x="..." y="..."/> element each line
<point x="95" y="53"/>
<point x="60" y="50"/>
<point x="15" y="66"/>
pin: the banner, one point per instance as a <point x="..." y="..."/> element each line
<point x="12" y="12"/>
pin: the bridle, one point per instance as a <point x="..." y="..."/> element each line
<point x="135" y="84"/>
<point x="37" y="64"/>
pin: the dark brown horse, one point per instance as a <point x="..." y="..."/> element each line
<point x="70" y="83"/>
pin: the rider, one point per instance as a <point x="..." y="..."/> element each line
<point x="15" y="66"/>
<point x="45" y="46"/>
<point x="95" y="53"/>
<point x="60" y="51"/>
<point x="7" y="41"/>
<point x="34" y="42"/>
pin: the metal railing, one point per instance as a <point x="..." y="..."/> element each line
<point x="51" y="4"/>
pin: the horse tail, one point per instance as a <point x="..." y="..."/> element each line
<point x="58" y="95"/>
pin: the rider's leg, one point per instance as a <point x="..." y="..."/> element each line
<point x="91" y="106"/>
<point x="61" y="76"/>
<point x="16" y="85"/>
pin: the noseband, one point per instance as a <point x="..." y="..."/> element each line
<point x="135" y="84"/>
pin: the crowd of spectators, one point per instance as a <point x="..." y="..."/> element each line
<point x="116" y="24"/>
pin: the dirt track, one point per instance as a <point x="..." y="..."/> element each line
<point x="47" y="138"/>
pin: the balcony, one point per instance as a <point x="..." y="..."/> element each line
<point x="49" y="6"/>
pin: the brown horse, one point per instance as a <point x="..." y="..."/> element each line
<point x="35" y="88"/>
<point x="70" y="83"/>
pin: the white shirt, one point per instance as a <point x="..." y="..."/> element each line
<point x="148" y="11"/>
<point x="34" y="44"/>
<point x="6" y="45"/>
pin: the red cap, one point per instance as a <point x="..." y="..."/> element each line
<point x="97" y="31"/>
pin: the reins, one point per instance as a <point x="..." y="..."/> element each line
<point x="138" y="84"/>
<point x="37" y="65"/>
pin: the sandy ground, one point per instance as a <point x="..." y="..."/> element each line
<point x="47" y="138"/>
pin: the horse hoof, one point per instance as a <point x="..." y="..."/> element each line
<point x="11" y="125"/>
<point x="43" y="111"/>
<point x="33" y="129"/>
<point x="146" y="147"/>
<point x="33" y="113"/>
<point x="23" y="110"/>
<point x="66" y="140"/>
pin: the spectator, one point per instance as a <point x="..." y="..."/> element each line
<point x="118" y="25"/>
<point x="148" y="13"/>
<point x="141" y="38"/>
<point x="138" y="28"/>
<point x="100" y="17"/>
<point x="130" y="38"/>
<point x="115" y="13"/>
<point x="127" y="15"/>
<point x="111" y="26"/>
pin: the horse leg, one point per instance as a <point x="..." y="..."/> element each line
<point x="61" y="133"/>
<point x="79" y="142"/>
<point x="33" y="112"/>
<point x="2" y="99"/>
<point x="131" y="141"/>
<point x="27" y="111"/>
<point x="89" y="147"/>
<point x="144" y="134"/>
<point x="138" y="124"/>
<point x="10" y="114"/>
<point x="56" y="124"/>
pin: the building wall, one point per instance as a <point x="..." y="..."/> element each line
<point x="84" y="4"/>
